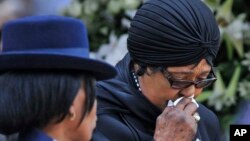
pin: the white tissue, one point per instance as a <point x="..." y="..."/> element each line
<point x="174" y="103"/>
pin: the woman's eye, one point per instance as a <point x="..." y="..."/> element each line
<point x="204" y="76"/>
<point x="201" y="78"/>
<point x="178" y="78"/>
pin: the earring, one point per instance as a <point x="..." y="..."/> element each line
<point x="72" y="116"/>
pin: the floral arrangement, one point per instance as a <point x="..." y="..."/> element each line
<point x="108" y="22"/>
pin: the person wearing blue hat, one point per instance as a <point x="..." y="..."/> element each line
<point x="47" y="80"/>
<point x="171" y="45"/>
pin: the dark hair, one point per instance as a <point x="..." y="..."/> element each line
<point x="143" y="68"/>
<point x="34" y="99"/>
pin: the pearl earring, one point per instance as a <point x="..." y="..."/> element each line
<point x="136" y="81"/>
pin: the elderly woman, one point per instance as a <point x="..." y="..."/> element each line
<point x="172" y="45"/>
<point x="47" y="80"/>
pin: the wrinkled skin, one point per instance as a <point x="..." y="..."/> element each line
<point x="177" y="123"/>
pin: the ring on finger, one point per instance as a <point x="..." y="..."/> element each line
<point x="196" y="117"/>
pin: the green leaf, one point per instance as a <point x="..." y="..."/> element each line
<point x="235" y="33"/>
<point x="229" y="46"/>
<point x="225" y="11"/>
<point x="90" y="7"/>
<point x="218" y="91"/>
<point x="213" y="4"/>
<point x="239" y="47"/>
<point x="204" y="96"/>
<point x="115" y="6"/>
<point x="219" y="86"/>
<point x="232" y="87"/>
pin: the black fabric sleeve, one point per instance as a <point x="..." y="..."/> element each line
<point x="111" y="128"/>
<point x="209" y="126"/>
<point x="98" y="136"/>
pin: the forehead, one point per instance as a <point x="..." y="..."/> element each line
<point x="202" y="66"/>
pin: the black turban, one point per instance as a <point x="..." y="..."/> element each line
<point x="173" y="33"/>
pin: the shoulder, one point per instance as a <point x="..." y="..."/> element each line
<point x="34" y="135"/>
<point x="209" y="125"/>
<point x="98" y="136"/>
<point x="207" y="115"/>
<point x="112" y="127"/>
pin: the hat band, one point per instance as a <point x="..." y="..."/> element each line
<point x="76" y="52"/>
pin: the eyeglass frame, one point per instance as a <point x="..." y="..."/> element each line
<point x="171" y="80"/>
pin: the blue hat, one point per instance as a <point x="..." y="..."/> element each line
<point x="49" y="43"/>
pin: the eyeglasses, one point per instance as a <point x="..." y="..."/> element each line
<point x="181" y="84"/>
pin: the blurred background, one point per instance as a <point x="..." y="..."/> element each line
<point x="108" y="22"/>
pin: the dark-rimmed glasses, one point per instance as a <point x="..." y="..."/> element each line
<point x="181" y="84"/>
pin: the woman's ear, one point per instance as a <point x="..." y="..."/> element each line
<point x="72" y="113"/>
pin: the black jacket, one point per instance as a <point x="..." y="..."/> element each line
<point x="124" y="114"/>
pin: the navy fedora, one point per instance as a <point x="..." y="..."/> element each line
<point x="49" y="43"/>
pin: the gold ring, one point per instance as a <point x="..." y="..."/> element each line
<point x="196" y="117"/>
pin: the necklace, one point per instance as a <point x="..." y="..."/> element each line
<point x="136" y="81"/>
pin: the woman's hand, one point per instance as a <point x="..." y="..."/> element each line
<point x="177" y="123"/>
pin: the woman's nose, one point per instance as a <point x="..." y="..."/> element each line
<point x="188" y="92"/>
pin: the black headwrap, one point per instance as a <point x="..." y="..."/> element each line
<point x="173" y="33"/>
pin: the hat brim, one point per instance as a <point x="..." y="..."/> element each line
<point x="27" y="61"/>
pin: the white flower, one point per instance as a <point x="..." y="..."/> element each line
<point x="119" y="51"/>
<point x="74" y="9"/>
<point x="246" y="33"/>
<point x="115" y="6"/>
<point x="246" y="62"/>
<point x="131" y="4"/>
<point x="235" y="29"/>
<point x="106" y="48"/>
<point x="125" y="22"/>
<point x="90" y="6"/>
<point x="244" y="88"/>
<point x="130" y="13"/>
<point x="114" y="51"/>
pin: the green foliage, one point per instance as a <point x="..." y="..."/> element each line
<point x="232" y="85"/>
<point x="102" y="17"/>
